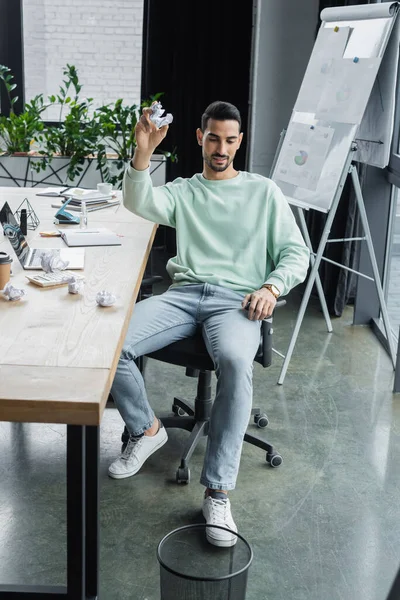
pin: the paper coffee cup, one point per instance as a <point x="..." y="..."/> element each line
<point x="5" y="269"/>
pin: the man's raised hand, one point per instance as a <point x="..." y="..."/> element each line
<point x="148" y="136"/>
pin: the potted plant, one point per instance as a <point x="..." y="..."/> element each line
<point x="117" y="124"/>
<point x="18" y="130"/>
<point x="76" y="134"/>
<point x="81" y="144"/>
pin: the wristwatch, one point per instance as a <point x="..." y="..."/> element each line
<point x="273" y="289"/>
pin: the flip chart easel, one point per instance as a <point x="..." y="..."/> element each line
<point x="316" y="155"/>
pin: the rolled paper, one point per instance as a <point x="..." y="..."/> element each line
<point x="12" y="293"/>
<point x="157" y="115"/>
<point x="104" y="298"/>
<point x="52" y="262"/>
<point x="74" y="284"/>
<point x="383" y="10"/>
<point x="75" y="287"/>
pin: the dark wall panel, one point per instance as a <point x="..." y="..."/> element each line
<point x="11" y="49"/>
<point x="196" y="52"/>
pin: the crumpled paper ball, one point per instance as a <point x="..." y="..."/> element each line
<point x="52" y="262"/>
<point x="12" y="293"/>
<point x="157" y="118"/>
<point x="105" y="298"/>
<point x="74" y="285"/>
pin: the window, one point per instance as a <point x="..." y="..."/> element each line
<point x="102" y="39"/>
<point x="393" y="267"/>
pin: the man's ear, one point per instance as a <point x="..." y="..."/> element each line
<point x="199" y="135"/>
<point x="240" y="139"/>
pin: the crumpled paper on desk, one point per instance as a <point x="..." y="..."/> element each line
<point x="157" y="118"/>
<point x="74" y="285"/>
<point x="52" y="262"/>
<point x="105" y="298"/>
<point x="12" y="293"/>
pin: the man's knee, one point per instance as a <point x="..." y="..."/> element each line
<point x="234" y="363"/>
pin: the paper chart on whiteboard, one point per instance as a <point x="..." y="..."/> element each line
<point x="347" y="89"/>
<point x="303" y="155"/>
<point x="329" y="45"/>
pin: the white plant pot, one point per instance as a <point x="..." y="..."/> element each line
<point x="16" y="171"/>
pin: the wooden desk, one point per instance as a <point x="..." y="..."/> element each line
<point x="58" y="355"/>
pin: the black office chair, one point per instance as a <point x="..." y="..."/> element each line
<point x="192" y="354"/>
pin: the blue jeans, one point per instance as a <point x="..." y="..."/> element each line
<point x="232" y="341"/>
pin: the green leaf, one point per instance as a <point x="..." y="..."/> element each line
<point x="80" y="133"/>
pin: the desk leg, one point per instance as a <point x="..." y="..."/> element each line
<point x="92" y="511"/>
<point x="82" y="524"/>
<point x="82" y="512"/>
<point x="76" y="483"/>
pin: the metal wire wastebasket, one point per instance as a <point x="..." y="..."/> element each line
<point x="193" y="569"/>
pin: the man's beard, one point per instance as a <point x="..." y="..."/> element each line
<point x="214" y="167"/>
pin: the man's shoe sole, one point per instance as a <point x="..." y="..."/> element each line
<point x="131" y="473"/>
<point x="220" y="543"/>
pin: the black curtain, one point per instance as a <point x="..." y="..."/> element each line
<point x="11" y="52"/>
<point x="196" y="52"/>
<point x="339" y="284"/>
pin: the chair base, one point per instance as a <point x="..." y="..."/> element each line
<point x="199" y="429"/>
<point x="183" y="417"/>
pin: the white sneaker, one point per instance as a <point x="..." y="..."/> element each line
<point x="137" y="451"/>
<point x="217" y="511"/>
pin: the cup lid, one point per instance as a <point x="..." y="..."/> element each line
<point x="5" y="259"/>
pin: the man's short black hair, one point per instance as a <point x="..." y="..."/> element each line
<point x="221" y="111"/>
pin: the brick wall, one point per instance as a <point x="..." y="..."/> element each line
<point x="102" y="38"/>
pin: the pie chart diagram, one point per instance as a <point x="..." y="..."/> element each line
<point x="301" y="158"/>
<point x="344" y="93"/>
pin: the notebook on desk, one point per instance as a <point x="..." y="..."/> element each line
<point x="98" y="236"/>
<point x="89" y="207"/>
<point x="31" y="258"/>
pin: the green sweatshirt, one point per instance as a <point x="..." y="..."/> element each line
<point x="237" y="233"/>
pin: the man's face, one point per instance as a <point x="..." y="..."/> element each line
<point x="220" y="142"/>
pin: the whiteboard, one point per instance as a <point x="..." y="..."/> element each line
<point x="332" y="101"/>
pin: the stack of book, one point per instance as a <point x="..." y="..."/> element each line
<point x="94" y="200"/>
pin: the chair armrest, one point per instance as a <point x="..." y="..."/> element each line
<point x="148" y="282"/>
<point x="151" y="280"/>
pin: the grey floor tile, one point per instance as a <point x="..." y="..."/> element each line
<point x="324" y="526"/>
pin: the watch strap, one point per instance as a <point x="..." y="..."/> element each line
<point x="270" y="287"/>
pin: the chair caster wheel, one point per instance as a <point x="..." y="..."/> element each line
<point x="178" y="411"/>
<point x="261" y="420"/>
<point x="183" y="475"/>
<point x="274" y="460"/>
